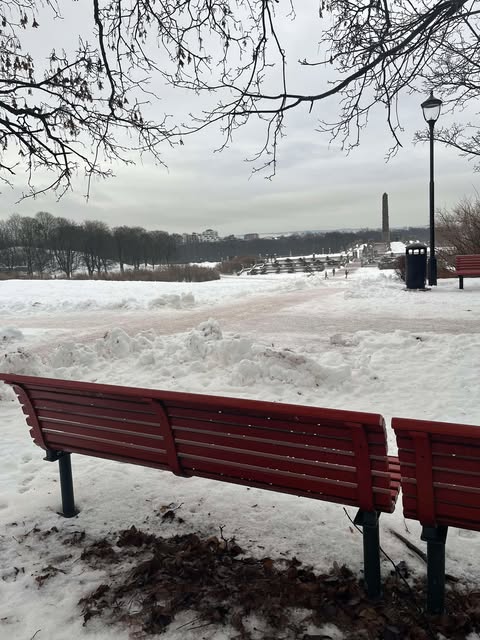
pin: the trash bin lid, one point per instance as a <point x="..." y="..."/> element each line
<point x="417" y="247"/>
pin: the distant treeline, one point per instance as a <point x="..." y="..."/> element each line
<point x="294" y="244"/>
<point x="44" y="243"/>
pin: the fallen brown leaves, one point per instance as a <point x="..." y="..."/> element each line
<point x="150" y="581"/>
<point x="212" y="579"/>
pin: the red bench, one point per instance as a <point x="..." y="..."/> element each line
<point x="337" y="456"/>
<point x="467" y="267"/>
<point x="439" y="466"/>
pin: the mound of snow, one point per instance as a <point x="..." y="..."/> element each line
<point x="8" y="334"/>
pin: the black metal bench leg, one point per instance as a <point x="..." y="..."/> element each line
<point x="368" y="520"/>
<point x="66" y="481"/>
<point x="460" y="282"/>
<point x="435" y="537"/>
<point x="66" y="486"/>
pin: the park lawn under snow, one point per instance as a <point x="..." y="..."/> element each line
<point x="361" y="343"/>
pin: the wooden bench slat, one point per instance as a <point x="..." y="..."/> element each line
<point x="234" y="439"/>
<point x="285" y="449"/>
<point x="464" y="523"/>
<point x="204" y="420"/>
<point x="468" y="273"/>
<point x="292" y="464"/>
<point x="197" y="404"/>
<point x="449" y="494"/>
<point x="447" y="447"/>
<point x="222" y="436"/>
<point x="104" y="433"/>
<point x="112" y="422"/>
<point x="88" y="410"/>
<point x="252" y="457"/>
<point x="51" y="399"/>
<point x="205" y="430"/>
<point x="454" y="478"/>
<point x="316" y="485"/>
<point x="441" y="462"/>
<point x="266" y="421"/>
<point x="252" y="431"/>
<point x="62" y="442"/>
<point x="451" y="431"/>
<point x="384" y="502"/>
<point x="295" y="491"/>
<point x="155" y="463"/>
<point x="44" y="387"/>
<point x="464" y="515"/>
<point x="468" y="261"/>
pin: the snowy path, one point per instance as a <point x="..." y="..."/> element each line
<point x="305" y="315"/>
<point x="260" y="314"/>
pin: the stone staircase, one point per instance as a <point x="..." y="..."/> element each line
<point x="292" y="265"/>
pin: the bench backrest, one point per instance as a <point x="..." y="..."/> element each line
<point x="468" y="263"/>
<point x="339" y="456"/>
<point x="440" y="472"/>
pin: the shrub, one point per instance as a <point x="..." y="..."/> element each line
<point x="21" y="275"/>
<point x="229" y="267"/>
<point x="458" y="232"/>
<point x="172" y="273"/>
<point x="400" y="267"/>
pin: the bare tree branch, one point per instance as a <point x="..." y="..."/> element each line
<point x="87" y="108"/>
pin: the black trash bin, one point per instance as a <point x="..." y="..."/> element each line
<point x="416" y="266"/>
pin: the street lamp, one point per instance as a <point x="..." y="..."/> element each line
<point x="431" y="111"/>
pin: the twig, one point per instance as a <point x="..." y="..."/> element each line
<point x="200" y="626"/>
<point x="187" y="623"/>
<point x="421" y="554"/>
<point x="37" y="631"/>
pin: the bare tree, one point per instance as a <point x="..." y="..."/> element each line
<point x="95" y="246"/>
<point x="28" y="240"/>
<point x="46" y="224"/>
<point x="66" y="245"/>
<point x="85" y="108"/>
<point x="10" y="253"/>
<point x="120" y="240"/>
<point x="459" y="230"/>
<point x="88" y="106"/>
<point x="130" y="246"/>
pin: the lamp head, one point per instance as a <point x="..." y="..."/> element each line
<point x="431" y="109"/>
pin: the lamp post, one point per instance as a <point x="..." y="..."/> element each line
<point x="431" y="111"/>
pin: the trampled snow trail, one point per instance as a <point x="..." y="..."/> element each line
<point x="258" y="314"/>
<point x="308" y="315"/>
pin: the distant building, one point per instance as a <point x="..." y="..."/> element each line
<point x="209" y="235"/>
<point x="189" y="238"/>
<point x="251" y="236"/>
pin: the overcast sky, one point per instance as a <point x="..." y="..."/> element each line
<point x="317" y="186"/>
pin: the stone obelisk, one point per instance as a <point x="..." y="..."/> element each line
<point x="385" y="224"/>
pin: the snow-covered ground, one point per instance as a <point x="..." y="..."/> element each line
<point x="360" y="343"/>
